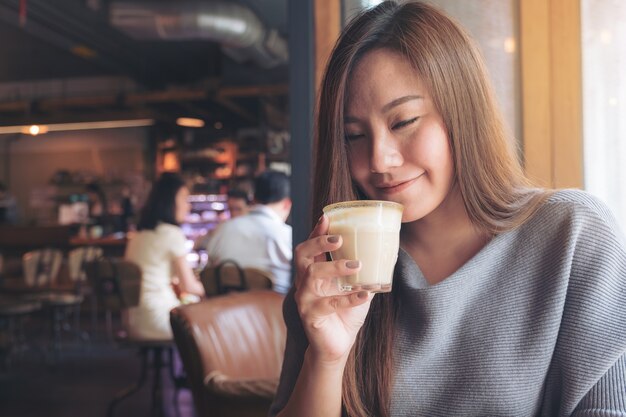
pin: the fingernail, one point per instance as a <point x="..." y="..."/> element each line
<point x="320" y="219"/>
<point x="362" y="294"/>
<point x="333" y="239"/>
<point x="353" y="264"/>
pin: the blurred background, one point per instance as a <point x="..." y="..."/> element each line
<point x="114" y="93"/>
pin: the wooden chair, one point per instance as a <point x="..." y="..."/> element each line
<point x="41" y="270"/>
<point x="111" y="292"/>
<point x="77" y="260"/>
<point x="228" y="276"/>
<point x="117" y="283"/>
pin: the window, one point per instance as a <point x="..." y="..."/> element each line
<point x="604" y="101"/>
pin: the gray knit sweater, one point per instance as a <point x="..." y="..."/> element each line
<point x="533" y="325"/>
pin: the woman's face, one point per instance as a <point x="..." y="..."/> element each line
<point x="182" y="205"/>
<point x="397" y="143"/>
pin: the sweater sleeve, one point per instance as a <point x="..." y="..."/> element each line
<point x="295" y="348"/>
<point x="587" y="371"/>
<point x="607" y="398"/>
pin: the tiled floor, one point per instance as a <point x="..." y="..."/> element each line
<point x="81" y="382"/>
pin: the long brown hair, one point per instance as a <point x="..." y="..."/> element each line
<point x="496" y="194"/>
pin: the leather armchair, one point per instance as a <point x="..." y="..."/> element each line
<point x="232" y="348"/>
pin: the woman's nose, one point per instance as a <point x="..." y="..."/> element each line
<point x="385" y="152"/>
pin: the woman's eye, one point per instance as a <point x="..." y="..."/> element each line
<point x="354" y="136"/>
<point x="404" y="123"/>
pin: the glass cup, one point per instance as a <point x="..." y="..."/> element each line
<point x="370" y="231"/>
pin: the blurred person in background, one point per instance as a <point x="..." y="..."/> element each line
<point x="99" y="218"/>
<point x="159" y="248"/>
<point x="261" y="238"/>
<point x="8" y="206"/>
<point x="238" y="203"/>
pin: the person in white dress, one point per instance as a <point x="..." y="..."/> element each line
<point x="159" y="248"/>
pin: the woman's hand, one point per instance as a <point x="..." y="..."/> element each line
<point x="331" y="318"/>
<point x="175" y="283"/>
<point x="188" y="282"/>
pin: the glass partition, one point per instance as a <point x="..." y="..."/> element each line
<point x="604" y="101"/>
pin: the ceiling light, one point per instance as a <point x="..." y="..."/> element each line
<point x="59" y="127"/>
<point x="83" y="51"/>
<point x="189" y="122"/>
<point x="34" y="130"/>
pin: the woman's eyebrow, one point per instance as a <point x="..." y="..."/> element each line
<point x="400" y="100"/>
<point x="396" y="102"/>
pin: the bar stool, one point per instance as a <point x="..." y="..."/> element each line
<point x="41" y="269"/>
<point x="13" y="313"/>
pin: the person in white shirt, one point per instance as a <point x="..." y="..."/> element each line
<point x="260" y="239"/>
<point x="159" y="248"/>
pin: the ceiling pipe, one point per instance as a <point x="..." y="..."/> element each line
<point x="139" y="99"/>
<point x="240" y="32"/>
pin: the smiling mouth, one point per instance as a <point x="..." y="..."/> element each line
<point x="397" y="187"/>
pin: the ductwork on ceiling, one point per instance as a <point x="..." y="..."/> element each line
<point x="240" y="32"/>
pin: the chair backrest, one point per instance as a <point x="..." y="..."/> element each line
<point x="117" y="282"/>
<point x="79" y="258"/>
<point x="41" y="267"/>
<point x="228" y="276"/>
<point x="232" y="349"/>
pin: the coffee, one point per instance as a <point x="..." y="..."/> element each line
<point x="371" y="234"/>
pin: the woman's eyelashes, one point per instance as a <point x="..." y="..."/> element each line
<point x="404" y="123"/>
<point x="395" y="126"/>
<point x="354" y="136"/>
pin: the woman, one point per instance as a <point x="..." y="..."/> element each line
<point x="507" y="300"/>
<point x="159" y="248"/>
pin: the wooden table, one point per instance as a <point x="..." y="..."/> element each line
<point x="112" y="246"/>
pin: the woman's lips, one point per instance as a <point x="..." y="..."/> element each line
<point x="395" y="188"/>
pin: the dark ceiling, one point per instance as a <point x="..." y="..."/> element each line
<point x="72" y="39"/>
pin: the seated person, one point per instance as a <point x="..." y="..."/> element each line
<point x="260" y="239"/>
<point x="159" y="248"/>
<point x="238" y="204"/>
<point x="8" y="206"/>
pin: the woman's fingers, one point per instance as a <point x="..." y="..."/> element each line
<point x="315" y="248"/>
<point x="329" y="305"/>
<point x="320" y="227"/>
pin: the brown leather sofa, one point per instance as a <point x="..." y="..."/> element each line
<point x="232" y="349"/>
